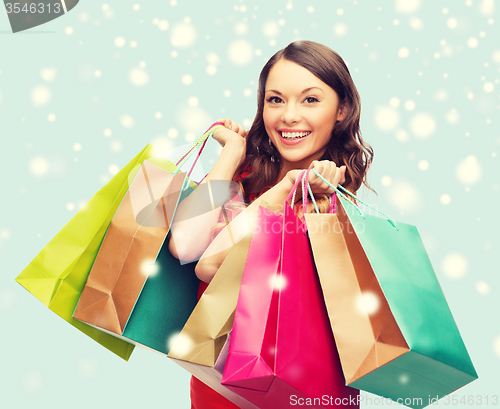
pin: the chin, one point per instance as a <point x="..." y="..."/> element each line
<point x="298" y="161"/>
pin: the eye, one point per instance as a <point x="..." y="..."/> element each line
<point x="311" y="100"/>
<point x="274" y="100"/>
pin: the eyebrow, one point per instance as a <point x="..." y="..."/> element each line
<point x="303" y="92"/>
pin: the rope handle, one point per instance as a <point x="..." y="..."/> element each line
<point x="338" y="192"/>
<point x="305" y="180"/>
<point x="201" y="141"/>
<point x="197" y="157"/>
<point x="333" y="204"/>
<point x="333" y="201"/>
<point x="184" y="157"/>
<point x="294" y="188"/>
<point x="301" y="178"/>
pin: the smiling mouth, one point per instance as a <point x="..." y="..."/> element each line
<point x="290" y="136"/>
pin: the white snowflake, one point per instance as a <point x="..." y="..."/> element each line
<point x="41" y="95"/>
<point x="39" y="166"/>
<point x="270" y="29"/>
<point x="127" y="121"/>
<point x="452" y="116"/>
<point x="422" y="125"/>
<point x="452" y="22"/>
<point x="469" y="171"/>
<point x="405" y="196"/>
<point x="240" y="52"/>
<point x="407" y="6"/>
<point x="403" y="52"/>
<point x="183" y="35"/>
<point x="138" y="77"/>
<point x="445" y="199"/>
<point x="386" y="118"/>
<point x="454" y="265"/>
<point x="120" y="42"/>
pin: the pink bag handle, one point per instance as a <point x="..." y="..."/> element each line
<point x="304" y="178"/>
<point x="301" y="178"/>
<point x="201" y="141"/>
<point x="291" y="195"/>
<point x="197" y="157"/>
<point x="333" y="203"/>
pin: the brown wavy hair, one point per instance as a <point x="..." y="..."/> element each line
<point x="346" y="146"/>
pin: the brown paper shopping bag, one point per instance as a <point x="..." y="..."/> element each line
<point x="365" y="341"/>
<point x="134" y="238"/>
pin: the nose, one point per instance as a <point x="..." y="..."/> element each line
<point x="290" y="114"/>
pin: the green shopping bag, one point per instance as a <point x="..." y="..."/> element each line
<point x="409" y="349"/>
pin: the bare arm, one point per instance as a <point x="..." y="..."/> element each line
<point x="191" y="237"/>
<point x="215" y="254"/>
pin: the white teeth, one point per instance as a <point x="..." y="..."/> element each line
<point x="294" y="135"/>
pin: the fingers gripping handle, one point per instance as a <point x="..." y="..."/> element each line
<point x="338" y="192"/>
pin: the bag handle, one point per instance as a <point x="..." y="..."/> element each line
<point x="292" y="193"/>
<point x="333" y="204"/>
<point x="338" y="192"/>
<point x="301" y="178"/>
<point x="184" y="157"/>
<point x="197" y="157"/>
<point x="201" y="141"/>
<point x="304" y="179"/>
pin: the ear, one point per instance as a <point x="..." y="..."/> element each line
<point x="342" y="112"/>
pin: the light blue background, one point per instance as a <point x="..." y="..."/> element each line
<point x="77" y="103"/>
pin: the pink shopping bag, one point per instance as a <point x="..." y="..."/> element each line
<point x="282" y="351"/>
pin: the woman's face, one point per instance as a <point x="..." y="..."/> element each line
<point x="300" y="112"/>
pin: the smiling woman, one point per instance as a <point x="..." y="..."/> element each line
<point x="307" y="117"/>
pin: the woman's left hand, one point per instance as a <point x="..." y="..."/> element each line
<point x="329" y="170"/>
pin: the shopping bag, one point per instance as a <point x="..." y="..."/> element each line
<point x="125" y="281"/>
<point x="201" y="347"/>
<point x="395" y="333"/>
<point x="57" y="275"/>
<point x="126" y="257"/>
<point x="282" y="349"/>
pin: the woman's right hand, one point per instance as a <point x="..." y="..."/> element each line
<point x="328" y="169"/>
<point x="232" y="133"/>
<point x="232" y="139"/>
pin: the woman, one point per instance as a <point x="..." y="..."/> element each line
<point x="307" y="117"/>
